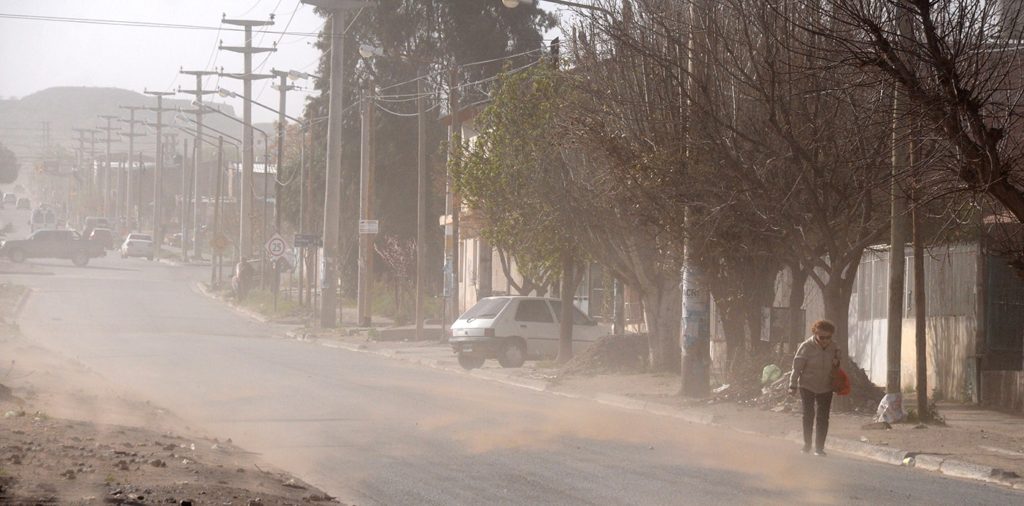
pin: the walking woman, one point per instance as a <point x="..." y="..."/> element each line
<point x="813" y="366"/>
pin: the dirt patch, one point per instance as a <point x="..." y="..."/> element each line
<point x="621" y="354"/>
<point x="54" y="461"/>
<point x="67" y="436"/>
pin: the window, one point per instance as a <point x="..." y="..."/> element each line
<point x="578" y="318"/>
<point x="535" y="311"/>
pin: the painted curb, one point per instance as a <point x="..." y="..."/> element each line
<point x="970" y="471"/>
<point x="929" y="462"/>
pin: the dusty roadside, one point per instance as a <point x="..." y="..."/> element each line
<point x="971" y="435"/>
<point x="67" y="436"/>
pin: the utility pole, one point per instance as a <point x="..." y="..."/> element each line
<point x="366" y="232"/>
<point x="695" y="333"/>
<point x="125" y="187"/>
<point x="198" y="92"/>
<point x="93" y="176"/>
<point x="185" y="180"/>
<point x="282" y="88"/>
<point x="897" y="231"/>
<point x="247" y="77"/>
<point x="421" y="206"/>
<point x="158" y="231"/>
<point x="332" y="195"/>
<point x="105" y="186"/>
<point x="79" y="163"/>
<point x="214" y="254"/>
<point x="451" y="232"/>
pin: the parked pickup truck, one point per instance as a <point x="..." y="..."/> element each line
<point x="53" y="244"/>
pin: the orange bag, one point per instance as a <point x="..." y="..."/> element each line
<point x="840" y="381"/>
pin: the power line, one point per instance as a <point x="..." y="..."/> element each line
<point x="141" y="24"/>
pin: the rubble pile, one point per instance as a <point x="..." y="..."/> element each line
<point x="744" y="387"/>
<point x="616" y="354"/>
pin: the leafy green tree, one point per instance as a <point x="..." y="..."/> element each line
<point x="418" y="37"/>
<point x="518" y="179"/>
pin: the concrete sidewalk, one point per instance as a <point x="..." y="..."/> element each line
<point x="974" y="444"/>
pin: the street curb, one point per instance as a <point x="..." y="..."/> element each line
<point x="198" y="285"/>
<point x="892" y="456"/>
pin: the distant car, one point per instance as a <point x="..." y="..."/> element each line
<point x="24" y="203"/>
<point x="92" y="222"/>
<point x="103" y="236"/>
<point x="10" y="199"/>
<point x="514" y="328"/>
<point x="137" y="245"/>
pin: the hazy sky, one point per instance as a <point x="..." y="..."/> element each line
<point x="41" y="54"/>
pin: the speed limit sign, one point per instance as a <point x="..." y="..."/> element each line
<point x="276" y="246"/>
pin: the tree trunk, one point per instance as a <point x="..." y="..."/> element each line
<point x="797" y="325"/>
<point x="569" y="281"/>
<point x="836" y="297"/>
<point x="662" y="308"/>
<point x="732" y="325"/>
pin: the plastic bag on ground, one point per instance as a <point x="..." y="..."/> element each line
<point x="890" y="409"/>
<point x="770" y="373"/>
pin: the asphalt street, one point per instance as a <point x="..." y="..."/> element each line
<point x="370" y="430"/>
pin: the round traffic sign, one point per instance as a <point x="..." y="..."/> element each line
<point x="276" y="246"/>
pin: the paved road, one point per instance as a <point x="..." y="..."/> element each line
<point x="374" y="431"/>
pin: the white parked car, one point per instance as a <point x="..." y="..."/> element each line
<point x="137" y="245"/>
<point x="514" y="328"/>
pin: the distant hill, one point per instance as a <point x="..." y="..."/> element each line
<point x="64" y="108"/>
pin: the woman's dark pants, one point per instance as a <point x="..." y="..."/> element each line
<point x="816" y="407"/>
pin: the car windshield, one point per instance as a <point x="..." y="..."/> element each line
<point x="485" y="309"/>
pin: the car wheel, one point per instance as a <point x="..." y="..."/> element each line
<point x="80" y="259"/>
<point x="469" y="361"/>
<point x="17" y="256"/>
<point x="513" y="354"/>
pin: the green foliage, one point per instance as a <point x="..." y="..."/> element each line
<point x="411" y="33"/>
<point x="515" y="175"/>
<point x="8" y="165"/>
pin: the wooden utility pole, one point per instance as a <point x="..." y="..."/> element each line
<point x="215" y="255"/>
<point x="106" y="190"/>
<point x="451" y="232"/>
<point x="247" y="77"/>
<point x="897" y="230"/>
<point x="158" y="231"/>
<point x="125" y="186"/>
<point x="366" y="231"/>
<point x="282" y="88"/>
<point x="332" y="193"/>
<point x="421" y="206"/>
<point x="198" y="219"/>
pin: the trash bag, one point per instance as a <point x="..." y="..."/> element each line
<point x="770" y="373"/>
<point x="890" y="409"/>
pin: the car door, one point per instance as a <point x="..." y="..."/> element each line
<point x="37" y="243"/>
<point x="534" y="322"/>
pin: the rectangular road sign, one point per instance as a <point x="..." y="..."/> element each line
<point x="368" y="227"/>
<point x="308" y="241"/>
